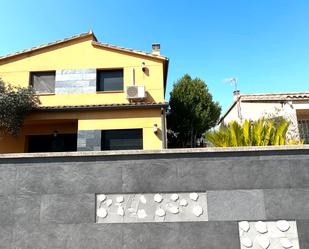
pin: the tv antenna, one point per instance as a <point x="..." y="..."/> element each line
<point x="233" y="81"/>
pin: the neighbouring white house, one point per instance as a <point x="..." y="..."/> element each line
<point x="292" y="106"/>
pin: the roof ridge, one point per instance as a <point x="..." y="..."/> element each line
<point x="66" y="39"/>
<point x="267" y="94"/>
<point x="81" y="35"/>
<point x="108" y="45"/>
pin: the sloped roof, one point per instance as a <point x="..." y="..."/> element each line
<point x="267" y="97"/>
<point x="94" y="43"/>
<point x="67" y="39"/>
<point x="275" y="96"/>
<point x="133" y="105"/>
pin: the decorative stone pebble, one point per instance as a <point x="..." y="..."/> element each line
<point x="283" y="225"/>
<point x="183" y="202"/>
<point x="160" y="212"/>
<point x="174" y="197"/>
<point x="172" y="209"/>
<point x="143" y="199"/>
<point x="157" y="198"/>
<point x="101" y="198"/>
<point x="109" y="202"/>
<point x="244" y="225"/>
<point x="193" y="196"/>
<point x="141" y="213"/>
<point x="120" y="211"/>
<point x="102" y="213"/>
<point x="263" y="241"/>
<point x="119" y="199"/>
<point x="197" y="211"/>
<point x="261" y="227"/>
<point x="286" y="243"/>
<point x="246" y="242"/>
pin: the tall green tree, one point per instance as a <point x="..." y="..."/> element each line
<point x="192" y="112"/>
<point x="15" y="104"/>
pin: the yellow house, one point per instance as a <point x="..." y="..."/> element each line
<point x="94" y="96"/>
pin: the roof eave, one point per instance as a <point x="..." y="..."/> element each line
<point x="98" y="107"/>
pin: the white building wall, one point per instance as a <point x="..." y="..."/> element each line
<point x="256" y="110"/>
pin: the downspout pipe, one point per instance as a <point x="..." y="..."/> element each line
<point x="163" y="128"/>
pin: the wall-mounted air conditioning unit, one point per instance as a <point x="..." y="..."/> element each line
<point x="136" y="92"/>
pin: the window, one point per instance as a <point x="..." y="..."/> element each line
<point x="122" y="139"/>
<point x="110" y="80"/>
<point x="43" y="82"/>
<point x="303" y="126"/>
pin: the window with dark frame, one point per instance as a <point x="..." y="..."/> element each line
<point x="110" y="80"/>
<point x="43" y="82"/>
<point x="129" y="139"/>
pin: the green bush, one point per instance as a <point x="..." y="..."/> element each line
<point x="15" y="104"/>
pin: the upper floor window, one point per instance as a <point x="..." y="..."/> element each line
<point x="43" y="82"/>
<point x="110" y="80"/>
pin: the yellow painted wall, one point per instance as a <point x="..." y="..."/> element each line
<point x="71" y="122"/>
<point x="18" y="144"/>
<point x="81" y="54"/>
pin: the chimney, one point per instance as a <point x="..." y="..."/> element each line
<point x="236" y="94"/>
<point x="156" y="48"/>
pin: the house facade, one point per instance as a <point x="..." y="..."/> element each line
<point x="94" y="96"/>
<point x="292" y="106"/>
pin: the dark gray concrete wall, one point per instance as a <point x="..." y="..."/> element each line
<point x="50" y="202"/>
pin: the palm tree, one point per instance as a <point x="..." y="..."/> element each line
<point x="262" y="132"/>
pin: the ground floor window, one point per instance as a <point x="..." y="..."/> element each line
<point x="52" y="143"/>
<point x="122" y="139"/>
<point x="303" y="126"/>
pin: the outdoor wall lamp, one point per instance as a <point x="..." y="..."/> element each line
<point x="143" y="67"/>
<point x="155" y="128"/>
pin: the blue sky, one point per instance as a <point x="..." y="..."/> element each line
<point x="264" y="43"/>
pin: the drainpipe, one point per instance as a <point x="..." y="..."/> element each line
<point x="163" y="128"/>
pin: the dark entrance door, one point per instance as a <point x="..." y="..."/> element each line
<point x="52" y="143"/>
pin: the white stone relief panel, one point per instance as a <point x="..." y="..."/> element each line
<point x="280" y="234"/>
<point x="154" y="207"/>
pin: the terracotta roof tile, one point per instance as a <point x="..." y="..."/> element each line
<point x="49" y="44"/>
<point x="95" y="43"/>
<point x="275" y="96"/>
<point x="105" y="45"/>
<point x="134" y="105"/>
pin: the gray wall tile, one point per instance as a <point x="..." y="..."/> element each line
<point x="6" y="237"/>
<point x="7" y="179"/>
<point x="75" y="81"/>
<point x="27" y="209"/>
<point x="68" y="209"/>
<point x="210" y="234"/>
<point x="89" y="140"/>
<point x="287" y="203"/>
<point x="65" y="178"/>
<point x="193" y="235"/>
<point x="95" y="236"/>
<point x="7" y="203"/>
<point x="47" y="236"/>
<point x="303" y="233"/>
<point x="150" y="176"/>
<point x="236" y="205"/>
